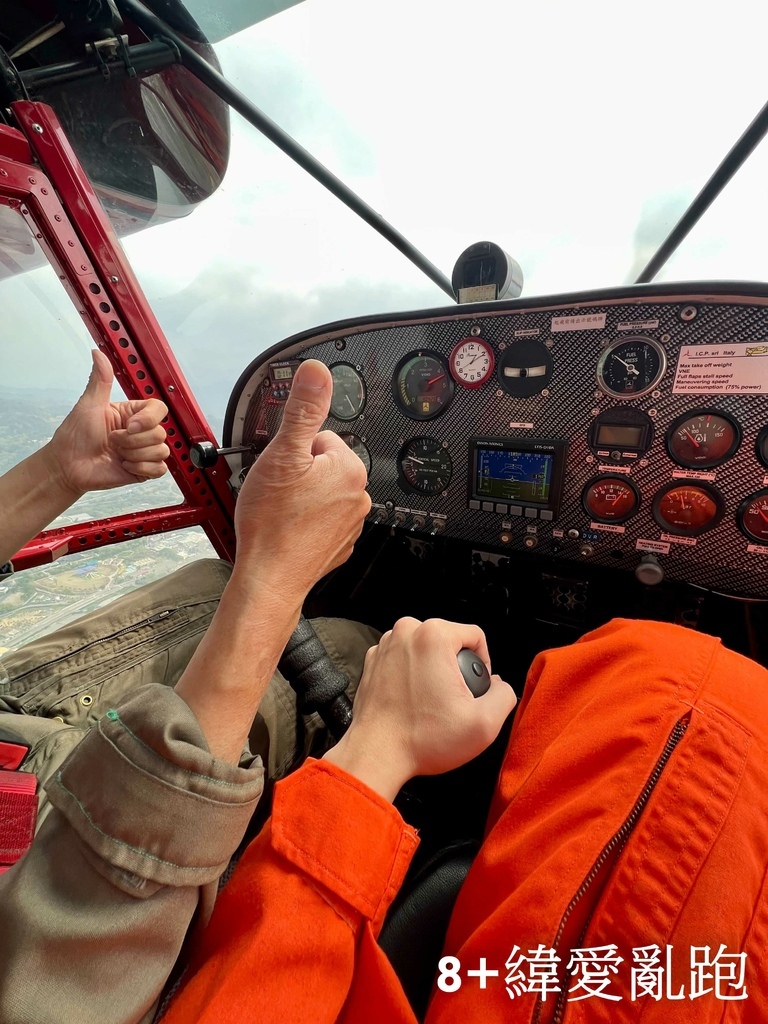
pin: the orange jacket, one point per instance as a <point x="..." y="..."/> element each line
<point x="630" y="812"/>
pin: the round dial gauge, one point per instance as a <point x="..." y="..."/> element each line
<point x="472" y="362"/>
<point x="423" y="385"/>
<point x="359" y="449"/>
<point x="610" y="499"/>
<point x="348" y="396"/>
<point x="753" y="516"/>
<point x="761" y="446"/>
<point x="703" y="438"/>
<point x="425" y="466"/>
<point x="688" y="508"/>
<point x="631" y="367"/>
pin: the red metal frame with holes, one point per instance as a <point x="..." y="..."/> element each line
<point x="55" y="197"/>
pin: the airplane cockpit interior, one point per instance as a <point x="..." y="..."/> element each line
<point x="539" y="462"/>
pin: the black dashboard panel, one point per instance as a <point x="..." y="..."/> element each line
<point x="684" y="371"/>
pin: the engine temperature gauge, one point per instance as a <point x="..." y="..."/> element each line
<point x="471" y="362"/>
<point x="703" y="439"/>
<point x="753" y="516"/>
<point x="610" y="499"/>
<point x="688" y="508"/>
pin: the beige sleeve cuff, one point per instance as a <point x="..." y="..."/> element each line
<point x="146" y="797"/>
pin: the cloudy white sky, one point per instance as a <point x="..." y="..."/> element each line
<point x="571" y="134"/>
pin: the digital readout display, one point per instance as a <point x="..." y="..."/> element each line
<point x="282" y="372"/>
<point x="514" y="475"/>
<point x="615" y="433"/>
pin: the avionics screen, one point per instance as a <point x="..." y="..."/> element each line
<point x="510" y="475"/>
<point x="612" y="433"/>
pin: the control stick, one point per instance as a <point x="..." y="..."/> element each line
<point x="474" y="671"/>
<point x="205" y="454"/>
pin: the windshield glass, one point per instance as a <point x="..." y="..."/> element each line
<point x="573" y="136"/>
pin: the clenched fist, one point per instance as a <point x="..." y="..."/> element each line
<point x="103" y="444"/>
<point x="304" y="502"/>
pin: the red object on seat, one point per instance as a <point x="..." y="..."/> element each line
<point x="12" y="753"/>
<point x="18" y="815"/>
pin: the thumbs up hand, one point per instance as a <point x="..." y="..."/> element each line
<point x="303" y="503"/>
<point x="103" y="444"/>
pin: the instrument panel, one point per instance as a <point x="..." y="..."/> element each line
<point x="626" y="427"/>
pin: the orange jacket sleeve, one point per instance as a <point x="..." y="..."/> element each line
<point x="293" y="935"/>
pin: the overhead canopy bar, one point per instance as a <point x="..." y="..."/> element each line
<point x="156" y="29"/>
<point x="726" y="170"/>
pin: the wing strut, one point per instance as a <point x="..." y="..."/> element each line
<point x="723" y="174"/>
<point x="154" y="28"/>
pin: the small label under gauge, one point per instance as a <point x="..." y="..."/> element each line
<point x="521" y="426"/>
<point x="638" y="325"/>
<point x="531" y="332"/>
<point x="607" y="527"/>
<point x="673" y="538"/>
<point x="623" y="470"/>
<point x="689" y="474"/>
<point x="654" y="546"/>
<point x="757" y="549"/>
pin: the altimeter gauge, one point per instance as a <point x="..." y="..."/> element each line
<point x="359" y="448"/>
<point x="471" y="362"/>
<point x="425" y="465"/>
<point x="632" y="367"/>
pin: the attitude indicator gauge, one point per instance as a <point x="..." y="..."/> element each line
<point x="703" y="438"/>
<point x="632" y="367"/>
<point x="422" y="385"/>
<point x="688" y="508"/>
<point x="425" y="465"/>
<point x="472" y="362"/>
<point x="752" y="516"/>
<point x="610" y="499"/>
<point x="348" y="396"/>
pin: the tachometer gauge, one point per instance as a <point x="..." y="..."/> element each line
<point x="703" y="438"/>
<point x="425" y="466"/>
<point x="422" y="385"/>
<point x="610" y="499"/>
<point x="472" y="362"/>
<point x="348" y="396"/>
<point x="632" y="367"/>
<point x="359" y="449"/>
<point x="688" y="508"/>
<point x="752" y="516"/>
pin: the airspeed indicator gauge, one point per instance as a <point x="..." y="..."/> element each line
<point x="348" y="396"/>
<point x="472" y="362"/>
<point x="632" y="367"/>
<point x="425" y="466"/>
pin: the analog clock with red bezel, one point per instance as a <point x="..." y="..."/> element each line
<point x="472" y="362"/>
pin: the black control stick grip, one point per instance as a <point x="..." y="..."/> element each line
<point x="474" y="671"/>
<point x="318" y="684"/>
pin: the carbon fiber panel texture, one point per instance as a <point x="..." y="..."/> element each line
<point x="718" y="560"/>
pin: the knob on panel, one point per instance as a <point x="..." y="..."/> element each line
<point x="648" y="571"/>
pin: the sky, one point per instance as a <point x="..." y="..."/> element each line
<point x="573" y="135"/>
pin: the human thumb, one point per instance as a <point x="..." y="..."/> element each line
<point x="307" y="407"/>
<point x="99" y="386"/>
